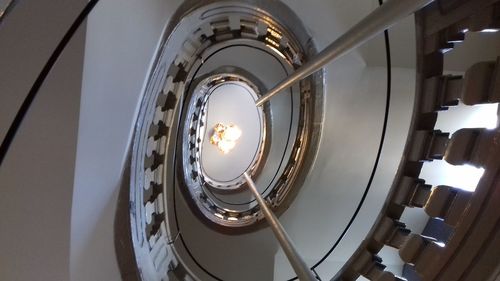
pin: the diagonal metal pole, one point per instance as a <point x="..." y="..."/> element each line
<point x="298" y="264"/>
<point x="391" y="12"/>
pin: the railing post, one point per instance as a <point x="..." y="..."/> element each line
<point x="298" y="264"/>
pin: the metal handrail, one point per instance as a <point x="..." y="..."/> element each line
<point x="298" y="264"/>
<point x="376" y="22"/>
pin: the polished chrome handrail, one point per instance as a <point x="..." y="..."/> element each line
<point x="376" y="22"/>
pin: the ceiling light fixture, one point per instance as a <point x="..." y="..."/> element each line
<point x="225" y="137"/>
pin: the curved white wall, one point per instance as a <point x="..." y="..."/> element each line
<point x="36" y="179"/>
<point x="122" y="37"/>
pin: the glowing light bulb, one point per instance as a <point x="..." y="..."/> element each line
<point x="232" y="133"/>
<point x="225" y="137"/>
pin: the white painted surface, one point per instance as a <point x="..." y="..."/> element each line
<point x="28" y="36"/>
<point x="36" y="179"/>
<point x="122" y="37"/>
<point x="354" y="108"/>
<point x="335" y="186"/>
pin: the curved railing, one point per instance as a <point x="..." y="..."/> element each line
<point x="467" y="255"/>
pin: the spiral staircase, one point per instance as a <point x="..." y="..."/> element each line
<point x="383" y="164"/>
